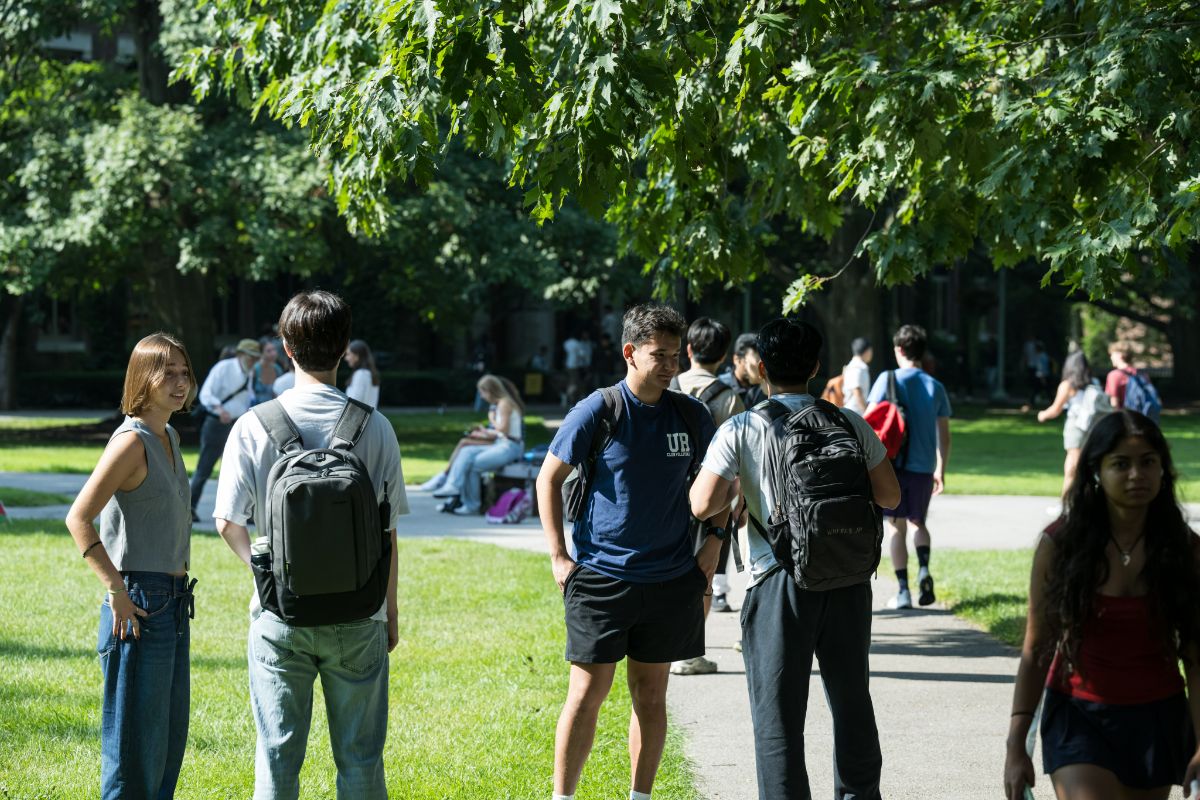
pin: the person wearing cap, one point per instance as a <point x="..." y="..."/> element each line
<point x="227" y="393"/>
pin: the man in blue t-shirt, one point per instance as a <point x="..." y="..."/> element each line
<point x="921" y="463"/>
<point x="635" y="586"/>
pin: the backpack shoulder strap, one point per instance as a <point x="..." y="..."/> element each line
<point x="714" y="390"/>
<point x="771" y="410"/>
<point x="350" y="425"/>
<point x="611" y="395"/>
<point x="833" y="411"/>
<point x="892" y="397"/>
<point x="279" y="426"/>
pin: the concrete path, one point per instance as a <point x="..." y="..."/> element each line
<point x="942" y="689"/>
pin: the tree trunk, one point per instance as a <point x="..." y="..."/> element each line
<point x="850" y="305"/>
<point x="10" y="317"/>
<point x="181" y="304"/>
<point x="153" y="71"/>
<point x="1183" y="332"/>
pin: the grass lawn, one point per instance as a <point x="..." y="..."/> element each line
<point x="475" y="689"/>
<point x="989" y="588"/>
<point x="28" y="498"/>
<point x="426" y="441"/>
<point x="995" y="451"/>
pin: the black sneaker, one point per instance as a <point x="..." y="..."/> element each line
<point x="719" y="603"/>
<point x="925" y="583"/>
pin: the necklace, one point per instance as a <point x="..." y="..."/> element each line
<point x="1126" y="555"/>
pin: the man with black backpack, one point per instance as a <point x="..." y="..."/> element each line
<point x="633" y="587"/>
<point x="321" y="476"/>
<point x="707" y="345"/>
<point x="812" y="476"/>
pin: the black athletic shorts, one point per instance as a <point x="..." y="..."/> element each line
<point x="608" y="618"/>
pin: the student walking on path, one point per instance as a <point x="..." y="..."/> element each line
<point x="634" y="588"/>
<point x="1112" y="613"/>
<point x="785" y="623"/>
<point x="921" y="464"/>
<point x="1081" y="396"/>
<point x="334" y="631"/>
<point x="141" y="554"/>
<point x="227" y="394"/>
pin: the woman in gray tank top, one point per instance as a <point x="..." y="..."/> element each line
<point x="139" y="490"/>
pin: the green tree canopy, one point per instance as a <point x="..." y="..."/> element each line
<point x="1057" y="131"/>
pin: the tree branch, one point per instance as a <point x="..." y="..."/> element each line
<point x="1123" y="311"/>
<point x="916" y="5"/>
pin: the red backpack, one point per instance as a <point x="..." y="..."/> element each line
<point x="887" y="420"/>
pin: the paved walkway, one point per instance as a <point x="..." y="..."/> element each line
<point x="941" y="688"/>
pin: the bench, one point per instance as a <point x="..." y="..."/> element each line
<point x="519" y="474"/>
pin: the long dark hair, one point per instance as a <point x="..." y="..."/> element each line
<point x="1076" y="371"/>
<point x="366" y="359"/>
<point x="1080" y="564"/>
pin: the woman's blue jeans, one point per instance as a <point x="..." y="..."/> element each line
<point x="147" y="690"/>
<point x="470" y="464"/>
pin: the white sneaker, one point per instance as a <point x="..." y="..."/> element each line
<point x="694" y="666"/>
<point x="903" y="599"/>
<point x="433" y="483"/>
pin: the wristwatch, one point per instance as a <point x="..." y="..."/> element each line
<point x="716" y="530"/>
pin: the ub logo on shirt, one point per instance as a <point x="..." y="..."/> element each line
<point x="678" y="444"/>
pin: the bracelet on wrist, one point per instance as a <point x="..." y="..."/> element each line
<point x="1022" y="714"/>
<point x="88" y="549"/>
<point x="115" y="591"/>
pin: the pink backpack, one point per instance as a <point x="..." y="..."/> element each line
<point x="510" y="508"/>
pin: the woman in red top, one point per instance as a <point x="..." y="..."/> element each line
<point x="1114" y="607"/>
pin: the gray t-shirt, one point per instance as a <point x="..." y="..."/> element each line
<point x="736" y="452"/>
<point x="314" y="410"/>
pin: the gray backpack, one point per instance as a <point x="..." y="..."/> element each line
<point x="330" y="555"/>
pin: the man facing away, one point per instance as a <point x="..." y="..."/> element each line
<point x="707" y="345"/>
<point x="921" y="464"/>
<point x="227" y="394"/>
<point x="744" y="376"/>
<point x="783" y="625"/>
<point x="856" y="376"/>
<point x="351" y="659"/>
<point x="1117" y="380"/>
<point x="634" y="588"/>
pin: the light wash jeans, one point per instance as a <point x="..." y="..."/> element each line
<point x="352" y="662"/>
<point x="147" y="690"/>
<point x="472" y="462"/>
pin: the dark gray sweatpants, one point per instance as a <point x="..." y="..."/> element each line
<point x="783" y="627"/>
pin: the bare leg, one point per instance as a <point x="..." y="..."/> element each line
<point x="899" y="542"/>
<point x="1070" y="463"/>
<point x="920" y="536"/>
<point x="1089" y="782"/>
<point x="577" y="723"/>
<point x="648" y="722"/>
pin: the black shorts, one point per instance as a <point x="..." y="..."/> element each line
<point x="1145" y="746"/>
<point x="916" y="489"/>
<point x="608" y="619"/>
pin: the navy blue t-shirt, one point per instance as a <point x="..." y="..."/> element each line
<point x="635" y="524"/>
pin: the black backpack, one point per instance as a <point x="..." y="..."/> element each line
<point x="825" y="529"/>
<point x="330" y="553"/>
<point x="577" y="488"/>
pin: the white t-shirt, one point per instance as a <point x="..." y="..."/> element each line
<point x="736" y="451"/>
<point x="228" y="378"/>
<point x="361" y="388"/>
<point x="855" y="374"/>
<point x="314" y="410"/>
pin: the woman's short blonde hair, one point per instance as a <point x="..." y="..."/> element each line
<point x="148" y="368"/>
